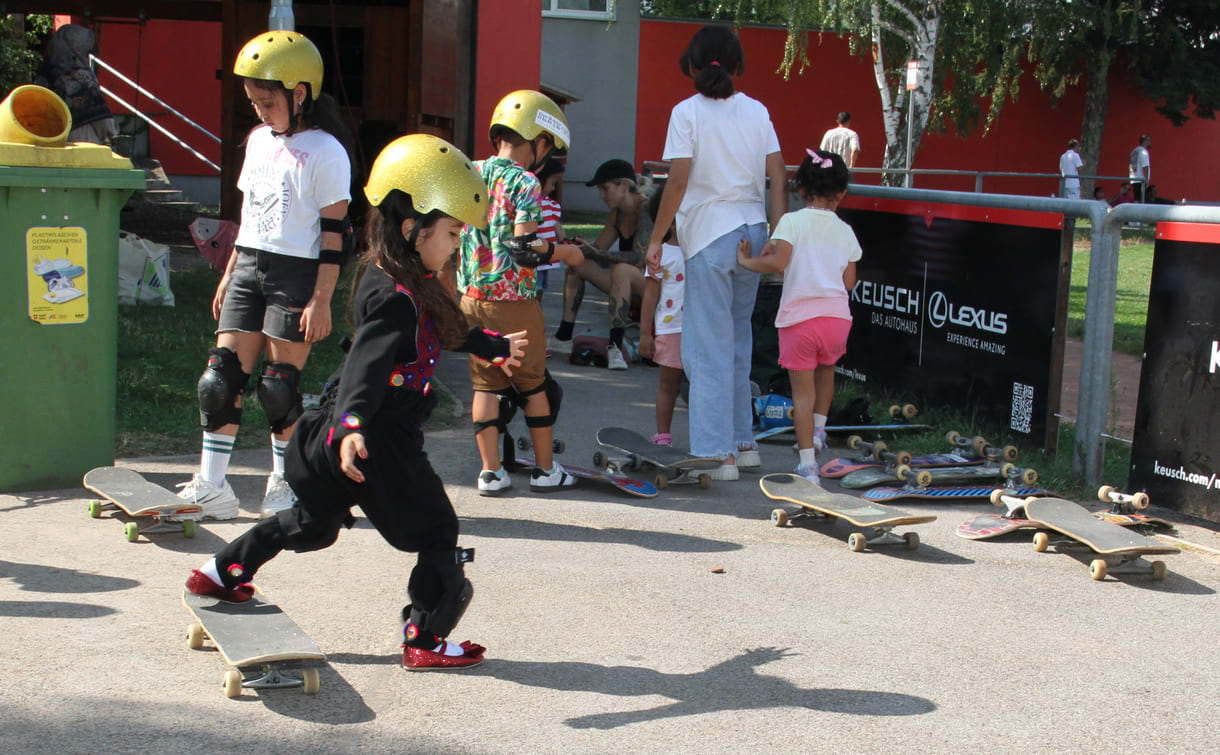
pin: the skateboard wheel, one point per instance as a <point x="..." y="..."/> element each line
<point x="902" y="471"/>
<point x="997" y="497"/>
<point x="232" y="683"/>
<point x="857" y="542"/>
<point x="1159" y="570"/>
<point x="903" y="457"/>
<point x="911" y="540"/>
<point x="312" y="681"/>
<point x="1098" y="569"/>
<point x="895" y="411"/>
<point x="1140" y="501"/>
<point x="879" y="448"/>
<point x="1041" y="541"/>
<point x="779" y="517"/>
<point x="189" y="528"/>
<point x="980" y="443"/>
<point x="1007" y="469"/>
<point x="854" y="442"/>
<point x="1029" y="476"/>
<point x="791" y="413"/>
<point x="557" y="446"/>
<point x="599" y="460"/>
<point x="194" y="636"/>
<point x="1009" y="453"/>
<point x="923" y="478"/>
<point x="661" y="481"/>
<point x="523" y="444"/>
<point x="1103" y="494"/>
<point x="133" y="532"/>
<point x="909" y="411"/>
<point x="95" y="509"/>
<point x="953" y="436"/>
<point x="705" y="481"/>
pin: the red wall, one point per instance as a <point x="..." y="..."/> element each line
<point x="509" y="58"/>
<point x="1029" y="136"/>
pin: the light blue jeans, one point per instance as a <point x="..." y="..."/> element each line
<point x="717" y="343"/>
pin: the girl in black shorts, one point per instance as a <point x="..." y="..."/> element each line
<point x="363" y="446"/>
<point x="275" y="294"/>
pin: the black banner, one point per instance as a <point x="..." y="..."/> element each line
<point x="1174" y="456"/>
<point x="956" y="304"/>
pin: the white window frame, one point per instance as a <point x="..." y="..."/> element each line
<point x="550" y="10"/>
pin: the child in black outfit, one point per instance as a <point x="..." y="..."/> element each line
<point x="363" y="446"/>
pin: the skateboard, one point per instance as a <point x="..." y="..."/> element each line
<point x="867" y="478"/>
<point x="671" y="464"/>
<point x="775" y="417"/>
<point x="622" y="482"/>
<point x="1121" y="550"/>
<point x="986" y="526"/>
<point x="951" y="492"/>
<point x="129" y="491"/>
<point x="876" y="520"/>
<point x="258" y="637"/>
<point x="969" y="452"/>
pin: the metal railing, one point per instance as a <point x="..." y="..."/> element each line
<point x="135" y="111"/>
<point x="980" y="175"/>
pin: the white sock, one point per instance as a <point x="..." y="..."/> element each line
<point x="209" y="570"/>
<point x="809" y="457"/>
<point x="214" y="461"/>
<point x="277" y="455"/>
<point x="819" y="422"/>
<point x="449" y="648"/>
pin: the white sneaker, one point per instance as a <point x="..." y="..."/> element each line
<point x="748" y="459"/>
<point x="808" y="472"/>
<point x="559" y="347"/>
<point x="819" y="439"/>
<point x="279" y="496"/>
<point x="218" y="501"/>
<point x="494" y="483"/>
<point x="547" y="482"/>
<point x="614" y="358"/>
<point x="727" y="472"/>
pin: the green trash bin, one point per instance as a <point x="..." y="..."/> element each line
<point x="59" y="236"/>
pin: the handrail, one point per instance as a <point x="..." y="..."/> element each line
<point x="151" y="96"/>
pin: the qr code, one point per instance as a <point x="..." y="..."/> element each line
<point x="1022" y="407"/>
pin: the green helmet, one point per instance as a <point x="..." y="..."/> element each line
<point x="435" y="174"/>
<point x="283" y="56"/>
<point x="531" y="113"/>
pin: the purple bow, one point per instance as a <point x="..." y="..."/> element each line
<point x="818" y="160"/>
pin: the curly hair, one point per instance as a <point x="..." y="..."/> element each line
<point x="816" y="179"/>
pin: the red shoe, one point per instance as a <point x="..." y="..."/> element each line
<point x="201" y="584"/>
<point x="422" y="659"/>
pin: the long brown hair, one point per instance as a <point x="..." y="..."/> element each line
<point x="397" y="257"/>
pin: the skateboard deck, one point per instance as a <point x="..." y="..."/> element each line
<point x="255" y="635"/>
<point x="1120" y="548"/>
<point x="1134" y="520"/>
<point x="622" y="482"/>
<point x="867" y="478"/>
<point x="986" y="526"/>
<point x="843" y="466"/>
<point x="771" y="432"/>
<point x="943" y="492"/>
<point x="672" y="465"/>
<point x="137" y="497"/>
<point x="876" y="520"/>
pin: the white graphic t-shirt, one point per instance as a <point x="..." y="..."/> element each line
<point x="285" y="182"/>
<point x="668" y="318"/>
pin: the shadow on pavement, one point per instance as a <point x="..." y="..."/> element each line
<point x="526" y="529"/>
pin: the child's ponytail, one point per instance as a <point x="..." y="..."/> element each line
<point x="713" y="57"/>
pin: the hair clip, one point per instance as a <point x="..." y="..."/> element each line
<point x="818" y="160"/>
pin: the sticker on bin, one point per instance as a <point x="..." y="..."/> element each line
<point x="57" y="271"/>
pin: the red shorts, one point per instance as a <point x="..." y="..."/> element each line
<point x="809" y="344"/>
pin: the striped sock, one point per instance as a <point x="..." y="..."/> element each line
<point x="277" y="455"/>
<point x="214" y="462"/>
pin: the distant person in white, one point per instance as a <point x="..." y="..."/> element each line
<point x="842" y="140"/>
<point x="1139" y="169"/>
<point x="1069" y="166"/>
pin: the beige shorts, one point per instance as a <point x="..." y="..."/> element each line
<point x="668" y="347"/>
<point x="508" y="317"/>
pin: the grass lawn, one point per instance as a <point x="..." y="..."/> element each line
<point x="1134" y="277"/>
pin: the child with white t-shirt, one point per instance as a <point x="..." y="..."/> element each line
<point x="817" y="253"/>
<point x="662" y="307"/>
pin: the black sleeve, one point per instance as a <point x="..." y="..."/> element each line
<point x="385" y="338"/>
<point x="485" y="345"/>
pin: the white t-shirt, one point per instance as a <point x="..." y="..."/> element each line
<point x="727" y="142"/>
<point x="841" y="141"/>
<point x="1069" y="165"/>
<point x="1139" y="161"/>
<point x="285" y="182"/>
<point x="668" y="318"/>
<point x="822" y="246"/>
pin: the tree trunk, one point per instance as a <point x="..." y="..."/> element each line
<point x="1096" y="99"/>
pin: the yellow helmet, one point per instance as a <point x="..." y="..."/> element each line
<point x="283" y="56"/>
<point x="434" y="173"/>
<point x="531" y="113"/>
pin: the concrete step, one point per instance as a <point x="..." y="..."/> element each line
<point x="164" y="196"/>
<point x="184" y="205"/>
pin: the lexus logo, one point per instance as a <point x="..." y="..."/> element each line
<point x="938" y="309"/>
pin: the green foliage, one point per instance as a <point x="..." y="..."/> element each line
<point x="1178" y="62"/>
<point x="21" y="40"/>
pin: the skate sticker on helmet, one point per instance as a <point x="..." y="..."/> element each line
<point x="553" y="125"/>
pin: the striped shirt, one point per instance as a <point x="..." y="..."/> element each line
<point x="550" y="218"/>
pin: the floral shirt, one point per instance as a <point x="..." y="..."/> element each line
<point x="487" y="269"/>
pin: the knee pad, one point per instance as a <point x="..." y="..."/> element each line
<point x="439" y="590"/>
<point x="508" y="409"/>
<point x="554" y="397"/>
<point x="219" y="386"/>
<point x="303" y="534"/>
<point x="279" y="394"/>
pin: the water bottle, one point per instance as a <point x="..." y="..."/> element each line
<point x="281" y="16"/>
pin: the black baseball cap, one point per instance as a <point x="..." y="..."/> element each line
<point x="610" y="170"/>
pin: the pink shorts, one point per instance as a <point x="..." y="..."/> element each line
<point x="809" y="344"/>
<point x="668" y="350"/>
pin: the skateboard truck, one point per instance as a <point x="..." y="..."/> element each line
<point x="978" y="447"/>
<point x="1123" y="503"/>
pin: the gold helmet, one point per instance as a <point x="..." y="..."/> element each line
<point x="434" y="173"/>
<point x="283" y="56"/>
<point x="531" y="113"/>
